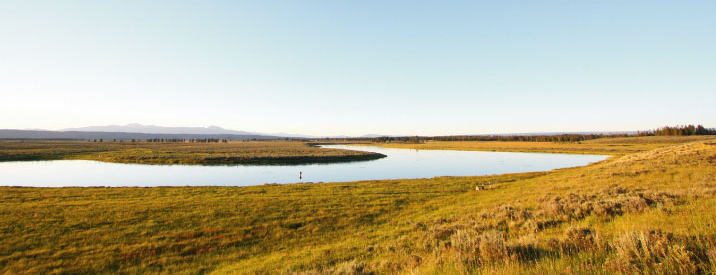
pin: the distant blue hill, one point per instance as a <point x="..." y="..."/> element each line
<point x="154" y="129"/>
<point x="82" y="135"/>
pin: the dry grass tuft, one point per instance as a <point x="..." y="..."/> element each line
<point x="346" y="268"/>
<point x="652" y="253"/>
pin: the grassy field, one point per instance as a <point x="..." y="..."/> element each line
<point x="647" y="212"/>
<point x="233" y="152"/>
<point x="604" y="146"/>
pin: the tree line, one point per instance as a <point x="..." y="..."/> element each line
<point x="682" y="130"/>
<point x="193" y="140"/>
<point x="532" y="138"/>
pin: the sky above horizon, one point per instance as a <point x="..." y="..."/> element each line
<point x="359" y="67"/>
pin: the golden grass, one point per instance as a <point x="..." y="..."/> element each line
<point x="649" y="212"/>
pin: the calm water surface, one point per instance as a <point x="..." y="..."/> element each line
<point x="400" y="164"/>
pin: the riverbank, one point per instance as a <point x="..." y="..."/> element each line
<point x="586" y="220"/>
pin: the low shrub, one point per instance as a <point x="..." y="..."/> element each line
<point x="652" y="253"/>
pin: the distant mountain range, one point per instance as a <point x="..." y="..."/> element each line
<point x="211" y="130"/>
<point x="62" y="135"/>
<point x="139" y="131"/>
<point x="153" y="129"/>
<point x="135" y="131"/>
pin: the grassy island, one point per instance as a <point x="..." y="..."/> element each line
<point x="214" y="153"/>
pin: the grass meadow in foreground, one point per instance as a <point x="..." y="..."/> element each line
<point x="649" y="212"/>
<point x="232" y="152"/>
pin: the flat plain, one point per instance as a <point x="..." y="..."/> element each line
<point x="648" y="210"/>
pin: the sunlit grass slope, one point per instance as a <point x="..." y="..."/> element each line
<point x="233" y="152"/>
<point x="650" y="212"/>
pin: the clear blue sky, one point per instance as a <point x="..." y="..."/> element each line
<point x="359" y="67"/>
